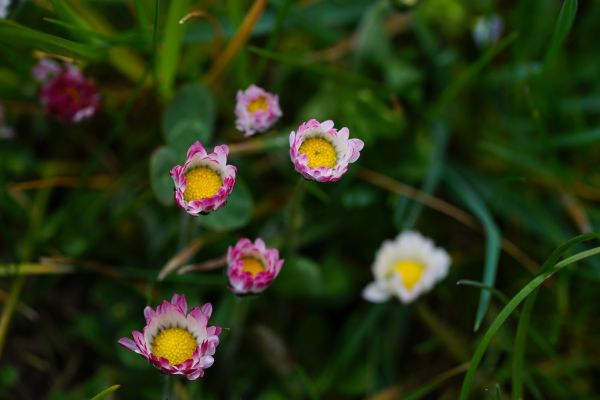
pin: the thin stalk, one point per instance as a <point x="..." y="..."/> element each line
<point x="294" y="221"/>
<point x="9" y="309"/>
<point x="168" y="388"/>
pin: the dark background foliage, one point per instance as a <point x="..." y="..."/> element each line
<point x="493" y="152"/>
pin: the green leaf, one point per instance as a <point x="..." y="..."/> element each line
<point x="193" y="103"/>
<point x="235" y="214"/>
<point x="184" y="133"/>
<point x="299" y="277"/>
<point x="492" y="236"/>
<point x="168" y="57"/>
<point x="161" y="162"/>
<point x="550" y="267"/>
<point x="566" y="17"/>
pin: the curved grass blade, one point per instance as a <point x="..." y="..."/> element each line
<point x="435" y="382"/>
<point x="550" y="267"/>
<point x="319" y="69"/>
<point x="501" y="296"/>
<point x="563" y="26"/>
<point x="577" y="139"/>
<point x="105" y="392"/>
<point x="408" y="211"/>
<point x="462" y="80"/>
<point x="492" y="237"/>
<point x="18" y="34"/>
<point x="519" y="347"/>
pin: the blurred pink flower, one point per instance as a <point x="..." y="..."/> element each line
<point x="322" y="153"/>
<point x="252" y="267"/>
<point x="256" y="110"/>
<point x="46" y="69"/>
<point x="66" y="94"/>
<point x="205" y="181"/>
<point x="175" y="341"/>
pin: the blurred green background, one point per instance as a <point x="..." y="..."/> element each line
<point x="493" y="151"/>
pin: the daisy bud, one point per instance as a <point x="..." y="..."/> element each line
<point x="252" y="267"/>
<point x="205" y="181"/>
<point x="322" y="153"/>
<point x="256" y="110"/>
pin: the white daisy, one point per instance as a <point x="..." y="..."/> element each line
<point x="406" y="267"/>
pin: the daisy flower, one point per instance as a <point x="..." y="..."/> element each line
<point x="406" y="267"/>
<point x="205" y="181"/>
<point x="66" y="93"/>
<point x="175" y="341"/>
<point x="252" y="267"/>
<point x="322" y="153"/>
<point x="256" y="110"/>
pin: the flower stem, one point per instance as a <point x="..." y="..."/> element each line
<point x="294" y="220"/>
<point x="168" y="388"/>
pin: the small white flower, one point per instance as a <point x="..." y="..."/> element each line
<point x="4" y="4"/>
<point x="406" y="267"/>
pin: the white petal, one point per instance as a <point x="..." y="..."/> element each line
<point x="376" y="292"/>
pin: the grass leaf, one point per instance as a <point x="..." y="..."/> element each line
<point x="565" y="21"/>
<point x="492" y="235"/>
<point x="168" y="56"/>
<point x="105" y="392"/>
<point x="31" y="38"/>
<point x="550" y="267"/>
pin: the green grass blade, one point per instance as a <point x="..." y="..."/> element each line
<point x="566" y="17"/>
<point x="519" y="347"/>
<point x="550" y="267"/>
<point x="492" y="236"/>
<point x="501" y="296"/>
<point x="467" y="76"/>
<point x="435" y="383"/>
<point x="341" y="362"/>
<point x="67" y="14"/>
<point x="18" y="34"/>
<point x="144" y="22"/>
<point x="168" y="57"/>
<point x="578" y="139"/>
<point x="407" y="219"/>
<point x="275" y="36"/>
<point x="319" y="69"/>
<point x="105" y="392"/>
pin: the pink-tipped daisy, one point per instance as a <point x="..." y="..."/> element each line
<point x="66" y="93"/>
<point x="175" y="341"/>
<point x="322" y="153"/>
<point x="205" y="181"/>
<point x="256" y="110"/>
<point x="252" y="267"/>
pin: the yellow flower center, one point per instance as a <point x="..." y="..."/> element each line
<point x="258" y="104"/>
<point x="252" y="265"/>
<point x="202" y="183"/>
<point x="410" y="271"/>
<point x="175" y="344"/>
<point x="319" y="152"/>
